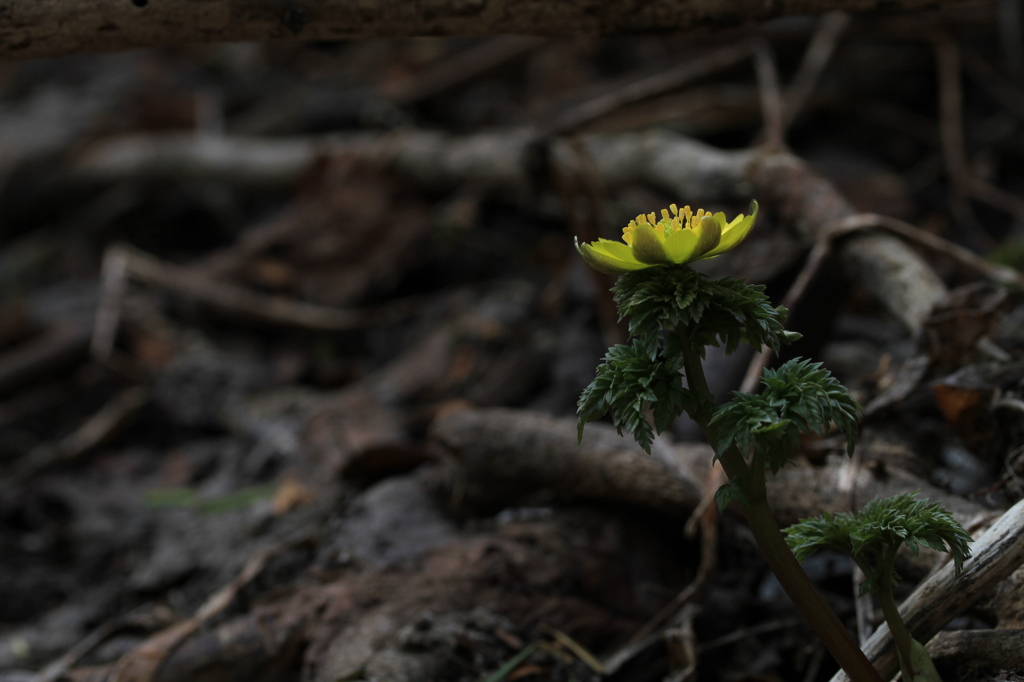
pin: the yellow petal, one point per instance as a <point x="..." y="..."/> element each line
<point x="680" y="245"/>
<point x="735" y="232"/>
<point x="684" y="238"/>
<point x="613" y="249"/>
<point x="709" y="233"/>
<point x="604" y="256"/>
<point x="649" y="246"/>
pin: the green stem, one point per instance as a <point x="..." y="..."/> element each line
<point x="791" y="576"/>
<point x="900" y="634"/>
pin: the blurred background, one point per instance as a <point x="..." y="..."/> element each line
<point x="259" y="302"/>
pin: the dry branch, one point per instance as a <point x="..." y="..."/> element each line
<point x="990" y="648"/>
<point x="692" y="171"/>
<point x="95" y="431"/>
<point x="508" y="456"/>
<point x="55" y="350"/>
<point x="44" y="28"/>
<point x="121" y="263"/>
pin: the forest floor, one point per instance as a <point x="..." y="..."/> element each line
<point x="291" y="340"/>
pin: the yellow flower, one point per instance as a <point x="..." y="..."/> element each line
<point x="676" y="239"/>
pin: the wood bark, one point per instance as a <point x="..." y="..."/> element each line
<point x="45" y="28"/>
<point x="511" y="456"/>
<point x="499" y="161"/>
<point x="978" y="648"/>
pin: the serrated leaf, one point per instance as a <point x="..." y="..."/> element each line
<point x="628" y="382"/>
<point x="723" y="313"/>
<point x="881" y="525"/>
<point x="730" y="492"/>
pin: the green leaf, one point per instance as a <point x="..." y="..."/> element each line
<point x="753" y="422"/>
<point x="730" y="492"/>
<point x="880" y="525"/>
<point x="725" y="312"/>
<point x="629" y="382"/>
<point x="812" y="397"/>
<point x="800" y="397"/>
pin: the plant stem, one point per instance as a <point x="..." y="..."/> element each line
<point x="900" y="634"/>
<point x="794" y="581"/>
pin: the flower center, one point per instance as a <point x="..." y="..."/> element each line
<point x="678" y="220"/>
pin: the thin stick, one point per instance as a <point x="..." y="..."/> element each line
<point x="771" y="96"/>
<point x="811" y="267"/>
<point x="645" y="88"/>
<point x="452" y="71"/>
<point x="951" y="125"/>
<point x="745" y="633"/>
<point x="999" y="273"/>
<point x="93" y="432"/>
<point x="817" y="56"/>
<point x="707" y="515"/>
<point x="113" y="282"/>
<point x="122" y="263"/>
<point x="998" y="86"/>
<point x="995" y="197"/>
<point x="863" y="603"/>
<point x="954" y="150"/>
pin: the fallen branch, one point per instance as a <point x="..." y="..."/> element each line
<point x="95" y="431"/>
<point x="509" y="456"/>
<point x="122" y="263"/>
<point x="55" y="350"/>
<point x="692" y="171"/>
<point x="44" y="28"/>
<point x="990" y="648"/>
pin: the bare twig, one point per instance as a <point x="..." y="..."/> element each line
<point x="41" y="28"/>
<point x="95" y="431"/>
<point x="455" y="70"/>
<point x="771" y="96"/>
<point x="863" y="606"/>
<point x="796" y="291"/>
<point x="998" y="273"/>
<point x="646" y="88"/>
<point x="817" y="56"/>
<point x="57" y="348"/>
<point x="886" y="267"/>
<point x="951" y="126"/>
<point x="744" y="633"/>
<point x="706" y="513"/>
<point x="995" y="197"/>
<point x="143" y="663"/>
<point x="965" y="183"/>
<point x="122" y="263"/>
<point x="998" y="86"/>
<point x="149" y="618"/>
<point x="113" y="284"/>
